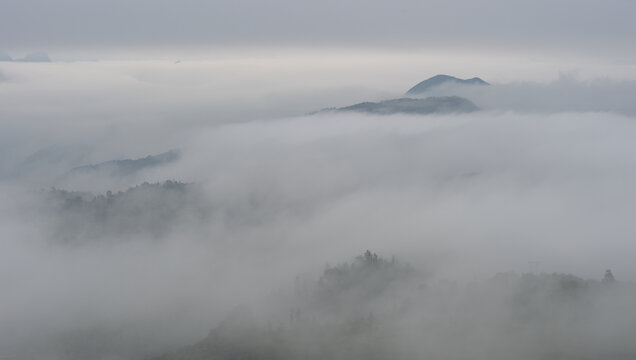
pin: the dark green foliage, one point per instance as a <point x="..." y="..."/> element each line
<point x="350" y="288"/>
<point x="326" y="328"/>
<point x="146" y="209"/>
<point x="546" y="316"/>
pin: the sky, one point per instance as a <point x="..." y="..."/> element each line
<point x="587" y="27"/>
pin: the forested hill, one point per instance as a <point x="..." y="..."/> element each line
<point x="146" y="209"/>
<point x="373" y="308"/>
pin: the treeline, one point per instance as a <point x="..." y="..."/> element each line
<point x="374" y="308"/>
<point x="337" y="321"/>
<point x="150" y="210"/>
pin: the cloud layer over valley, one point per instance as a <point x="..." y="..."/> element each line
<point x="147" y="254"/>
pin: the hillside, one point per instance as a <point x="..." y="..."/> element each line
<point x="429" y="105"/>
<point x="379" y="309"/>
<point x="438" y="80"/>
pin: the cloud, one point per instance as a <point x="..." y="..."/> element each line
<point x="461" y="196"/>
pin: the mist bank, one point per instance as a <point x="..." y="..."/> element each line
<point x="111" y="252"/>
<point x="67" y="115"/>
<point x="461" y="197"/>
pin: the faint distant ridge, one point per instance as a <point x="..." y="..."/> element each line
<point x="150" y="209"/>
<point x="442" y="80"/>
<point x="39" y="56"/>
<point x="4" y="56"/>
<point x="127" y="166"/>
<point x="429" y="105"/>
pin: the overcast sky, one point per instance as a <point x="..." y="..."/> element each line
<point x="599" y="27"/>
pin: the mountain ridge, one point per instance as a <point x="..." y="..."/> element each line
<point x="442" y="79"/>
<point x="429" y="105"/>
<point x="126" y="167"/>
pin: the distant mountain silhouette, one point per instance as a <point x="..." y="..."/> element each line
<point x="36" y="57"/>
<point x="127" y="166"/>
<point x="4" y="56"/>
<point x="39" y="56"/>
<point x="429" y="105"/>
<point x="440" y="80"/>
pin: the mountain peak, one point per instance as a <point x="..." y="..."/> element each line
<point x="4" y="56"/>
<point x="440" y="80"/>
<point x="39" y="56"/>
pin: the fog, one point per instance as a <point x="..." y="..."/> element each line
<point x="485" y="211"/>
